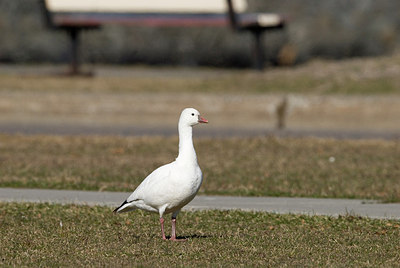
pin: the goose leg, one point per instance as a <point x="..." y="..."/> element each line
<point x="173" y="233"/>
<point x="161" y="212"/>
<point x="162" y="228"/>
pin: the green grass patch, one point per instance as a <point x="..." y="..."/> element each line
<point x="54" y="235"/>
<point x="235" y="82"/>
<point x="306" y="167"/>
<point x="354" y="76"/>
<point x="380" y="85"/>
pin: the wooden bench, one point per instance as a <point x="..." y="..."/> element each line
<point x="76" y="15"/>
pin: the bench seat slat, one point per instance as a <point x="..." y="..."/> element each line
<point x="143" y="6"/>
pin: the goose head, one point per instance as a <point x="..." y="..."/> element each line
<point x="191" y="117"/>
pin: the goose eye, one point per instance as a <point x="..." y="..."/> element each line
<point x="192" y="114"/>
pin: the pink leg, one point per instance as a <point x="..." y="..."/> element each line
<point x="162" y="228"/>
<point x="173" y="233"/>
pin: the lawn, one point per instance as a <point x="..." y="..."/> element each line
<point x="54" y="235"/>
<point x="377" y="75"/>
<point x="263" y="166"/>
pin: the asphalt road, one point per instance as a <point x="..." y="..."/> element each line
<point x="281" y="205"/>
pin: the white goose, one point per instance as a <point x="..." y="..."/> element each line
<point x="170" y="187"/>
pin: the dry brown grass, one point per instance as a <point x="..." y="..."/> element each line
<point x="353" y="94"/>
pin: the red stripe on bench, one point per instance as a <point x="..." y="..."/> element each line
<point x="97" y="19"/>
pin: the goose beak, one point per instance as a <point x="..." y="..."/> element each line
<point x="202" y="120"/>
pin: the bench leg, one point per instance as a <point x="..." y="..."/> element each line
<point x="258" y="51"/>
<point x="75" y="61"/>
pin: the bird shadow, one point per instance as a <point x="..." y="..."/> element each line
<point x="194" y="236"/>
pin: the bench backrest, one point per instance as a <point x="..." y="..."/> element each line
<point x="144" y="6"/>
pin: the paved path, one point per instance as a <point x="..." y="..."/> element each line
<point x="309" y="206"/>
<point x="79" y="129"/>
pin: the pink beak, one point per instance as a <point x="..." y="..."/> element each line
<point x="202" y="120"/>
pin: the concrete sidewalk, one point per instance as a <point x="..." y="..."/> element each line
<point x="282" y="205"/>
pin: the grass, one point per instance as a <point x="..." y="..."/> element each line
<point x="307" y="167"/>
<point x="53" y="235"/>
<point x="232" y="82"/>
<point x="354" y="76"/>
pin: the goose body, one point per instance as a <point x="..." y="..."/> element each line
<point x="170" y="187"/>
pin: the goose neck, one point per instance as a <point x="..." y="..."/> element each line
<point x="186" y="148"/>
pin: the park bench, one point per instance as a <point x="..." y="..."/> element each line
<point x="74" y="16"/>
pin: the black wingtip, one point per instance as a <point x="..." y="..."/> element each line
<point x="116" y="210"/>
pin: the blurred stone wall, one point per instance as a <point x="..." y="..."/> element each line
<point x="339" y="28"/>
<point x="317" y="28"/>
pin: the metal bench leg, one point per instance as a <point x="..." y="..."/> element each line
<point x="258" y="50"/>
<point x="74" y="36"/>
